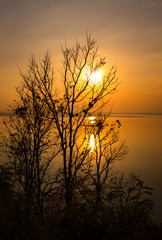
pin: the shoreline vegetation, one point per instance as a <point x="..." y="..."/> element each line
<point x="125" y="214"/>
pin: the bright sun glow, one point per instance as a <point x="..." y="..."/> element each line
<point x="94" y="76"/>
<point x="92" y="122"/>
<point x="91" y="118"/>
<point x="92" y="142"/>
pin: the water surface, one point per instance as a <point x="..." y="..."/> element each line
<point x="143" y="136"/>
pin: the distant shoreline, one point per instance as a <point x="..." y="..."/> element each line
<point x="135" y="114"/>
<point x="3" y="113"/>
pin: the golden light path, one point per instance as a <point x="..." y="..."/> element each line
<point x="92" y="120"/>
<point x="92" y="142"/>
<point x="92" y="137"/>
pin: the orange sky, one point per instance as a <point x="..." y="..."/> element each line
<point x="128" y="33"/>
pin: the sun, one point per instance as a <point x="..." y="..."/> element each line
<point x="94" y="76"/>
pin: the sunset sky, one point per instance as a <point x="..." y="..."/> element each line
<point x="128" y="32"/>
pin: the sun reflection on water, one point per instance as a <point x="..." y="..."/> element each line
<point x="92" y="142"/>
<point x="91" y="118"/>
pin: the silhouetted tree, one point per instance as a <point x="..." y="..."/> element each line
<point x="80" y="96"/>
<point x="105" y="150"/>
<point x="130" y="199"/>
<point x="6" y="184"/>
<point x="28" y="143"/>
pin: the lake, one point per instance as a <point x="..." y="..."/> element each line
<point x="143" y="136"/>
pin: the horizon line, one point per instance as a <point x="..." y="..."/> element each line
<point x="6" y="113"/>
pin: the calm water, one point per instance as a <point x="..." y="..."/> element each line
<point x="143" y="136"/>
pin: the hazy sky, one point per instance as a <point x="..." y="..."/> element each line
<point x="129" y="34"/>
